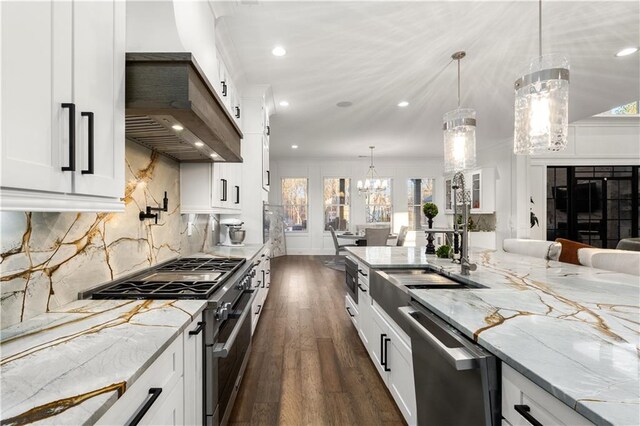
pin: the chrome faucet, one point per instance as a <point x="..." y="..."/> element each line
<point x="458" y="182"/>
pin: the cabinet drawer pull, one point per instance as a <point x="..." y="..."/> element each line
<point x="72" y="138"/>
<point x="524" y="411"/>
<point x="237" y="194"/>
<point x="362" y="272"/>
<point x="384" y="352"/>
<point x="364" y="290"/>
<point x="224" y="88"/>
<point x="237" y="112"/>
<point x="154" y="394"/>
<point x="224" y="190"/>
<point x="259" y="309"/>
<point x="198" y="329"/>
<point x="268" y="178"/>
<point x="349" y="312"/>
<point x="90" y="144"/>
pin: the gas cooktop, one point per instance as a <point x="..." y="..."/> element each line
<point x="185" y="278"/>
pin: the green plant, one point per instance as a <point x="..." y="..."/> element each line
<point x="443" y="251"/>
<point x="430" y="210"/>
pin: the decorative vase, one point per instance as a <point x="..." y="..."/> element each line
<point x="431" y="249"/>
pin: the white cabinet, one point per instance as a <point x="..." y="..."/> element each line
<point x="162" y="383"/>
<point x="210" y="188"/>
<point x="481" y="186"/>
<point x="260" y="283"/>
<point x="63" y="66"/>
<point x="266" y="172"/>
<point x="521" y="394"/>
<point x="193" y="373"/>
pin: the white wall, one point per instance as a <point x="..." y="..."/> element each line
<point x="316" y="240"/>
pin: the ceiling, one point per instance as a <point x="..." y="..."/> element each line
<point x="376" y="54"/>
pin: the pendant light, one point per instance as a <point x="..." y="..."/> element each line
<point x="459" y="128"/>
<point x="542" y="103"/>
<point x="372" y="183"/>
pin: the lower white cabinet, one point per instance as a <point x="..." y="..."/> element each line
<point x="260" y="284"/>
<point x="352" y="311"/>
<point x="169" y="392"/>
<point x="389" y="351"/>
<point x="520" y="395"/>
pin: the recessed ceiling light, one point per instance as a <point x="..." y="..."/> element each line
<point x="627" y="51"/>
<point x="403" y="104"/>
<point x="177" y="127"/>
<point x="294" y="146"/>
<point x="279" y="51"/>
<point x="344" y="104"/>
<point x="214" y="155"/>
<point x="284" y="103"/>
<point x="198" y="144"/>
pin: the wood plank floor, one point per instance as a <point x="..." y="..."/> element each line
<point x="308" y="365"/>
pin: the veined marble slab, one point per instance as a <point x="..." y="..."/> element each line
<point x="70" y="365"/>
<point x="248" y="251"/>
<point x="573" y="330"/>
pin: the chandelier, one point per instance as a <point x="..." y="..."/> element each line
<point x="459" y="128"/>
<point x="372" y="183"/>
<point x="542" y="103"/>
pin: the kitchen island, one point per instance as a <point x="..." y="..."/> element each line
<point x="570" y="329"/>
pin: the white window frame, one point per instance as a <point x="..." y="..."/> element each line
<point x="412" y="206"/>
<point x="366" y="205"/>
<point x="324" y="206"/>
<point x="284" y="206"/>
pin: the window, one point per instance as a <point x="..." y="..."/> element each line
<point x="419" y="191"/>
<point x="295" y="202"/>
<point x="337" y="200"/>
<point x="379" y="204"/>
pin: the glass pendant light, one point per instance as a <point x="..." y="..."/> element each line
<point x="372" y="183"/>
<point x="542" y="103"/>
<point x="459" y="133"/>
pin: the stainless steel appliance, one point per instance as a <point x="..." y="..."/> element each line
<point x="351" y="278"/>
<point x="234" y="234"/>
<point x="457" y="381"/>
<point x="226" y="328"/>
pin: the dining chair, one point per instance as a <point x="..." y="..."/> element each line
<point x="402" y="235"/>
<point x="339" y="247"/>
<point x="377" y="236"/>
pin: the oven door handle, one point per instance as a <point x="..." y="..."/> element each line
<point x="221" y="350"/>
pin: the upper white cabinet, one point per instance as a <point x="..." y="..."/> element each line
<point x="266" y="172"/>
<point x="481" y="186"/>
<point x="210" y="188"/>
<point x="63" y="66"/>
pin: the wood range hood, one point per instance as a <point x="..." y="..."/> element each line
<point x="169" y="89"/>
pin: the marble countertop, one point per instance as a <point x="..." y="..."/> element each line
<point x="247" y="251"/>
<point x="572" y="330"/>
<point x="68" y="366"/>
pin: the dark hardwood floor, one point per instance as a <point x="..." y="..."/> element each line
<point x="308" y="365"/>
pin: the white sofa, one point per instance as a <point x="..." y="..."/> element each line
<point x="623" y="261"/>
<point x="548" y="250"/>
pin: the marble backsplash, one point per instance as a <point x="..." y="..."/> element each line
<point x="46" y="259"/>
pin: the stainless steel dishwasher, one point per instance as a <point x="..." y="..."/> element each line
<point x="457" y="381"/>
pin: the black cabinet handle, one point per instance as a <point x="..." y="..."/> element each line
<point x="224" y="88"/>
<point x="224" y="190"/>
<point x="364" y="290"/>
<point x="362" y="273"/>
<point x="90" y="145"/>
<point x="72" y="138"/>
<point x="263" y="278"/>
<point x="524" y="411"/>
<point x="349" y="312"/>
<point x="237" y="194"/>
<point x="268" y="178"/>
<point x="268" y="130"/>
<point x="258" y="283"/>
<point x="198" y="329"/>
<point x="237" y="112"/>
<point x="386" y="354"/>
<point x="155" y="393"/>
<point x="259" y="309"/>
<point x="382" y="361"/>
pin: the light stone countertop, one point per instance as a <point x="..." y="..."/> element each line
<point x="67" y="366"/>
<point x="572" y="330"/>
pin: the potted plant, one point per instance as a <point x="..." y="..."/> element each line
<point x="443" y="251"/>
<point x="430" y="210"/>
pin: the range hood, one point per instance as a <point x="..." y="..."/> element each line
<point x="170" y="107"/>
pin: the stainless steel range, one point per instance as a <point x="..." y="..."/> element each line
<point x="226" y="284"/>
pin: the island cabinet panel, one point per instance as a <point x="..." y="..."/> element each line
<point x="62" y="107"/>
<point x="520" y="393"/>
<point x="364" y="313"/>
<point x="165" y="373"/>
<point x="353" y="311"/>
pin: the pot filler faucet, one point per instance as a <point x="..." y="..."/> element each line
<point x="458" y="183"/>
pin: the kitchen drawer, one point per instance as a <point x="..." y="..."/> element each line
<point x="352" y="310"/>
<point x="165" y="373"/>
<point x="544" y="407"/>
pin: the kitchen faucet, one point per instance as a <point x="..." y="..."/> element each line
<point x="458" y="182"/>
